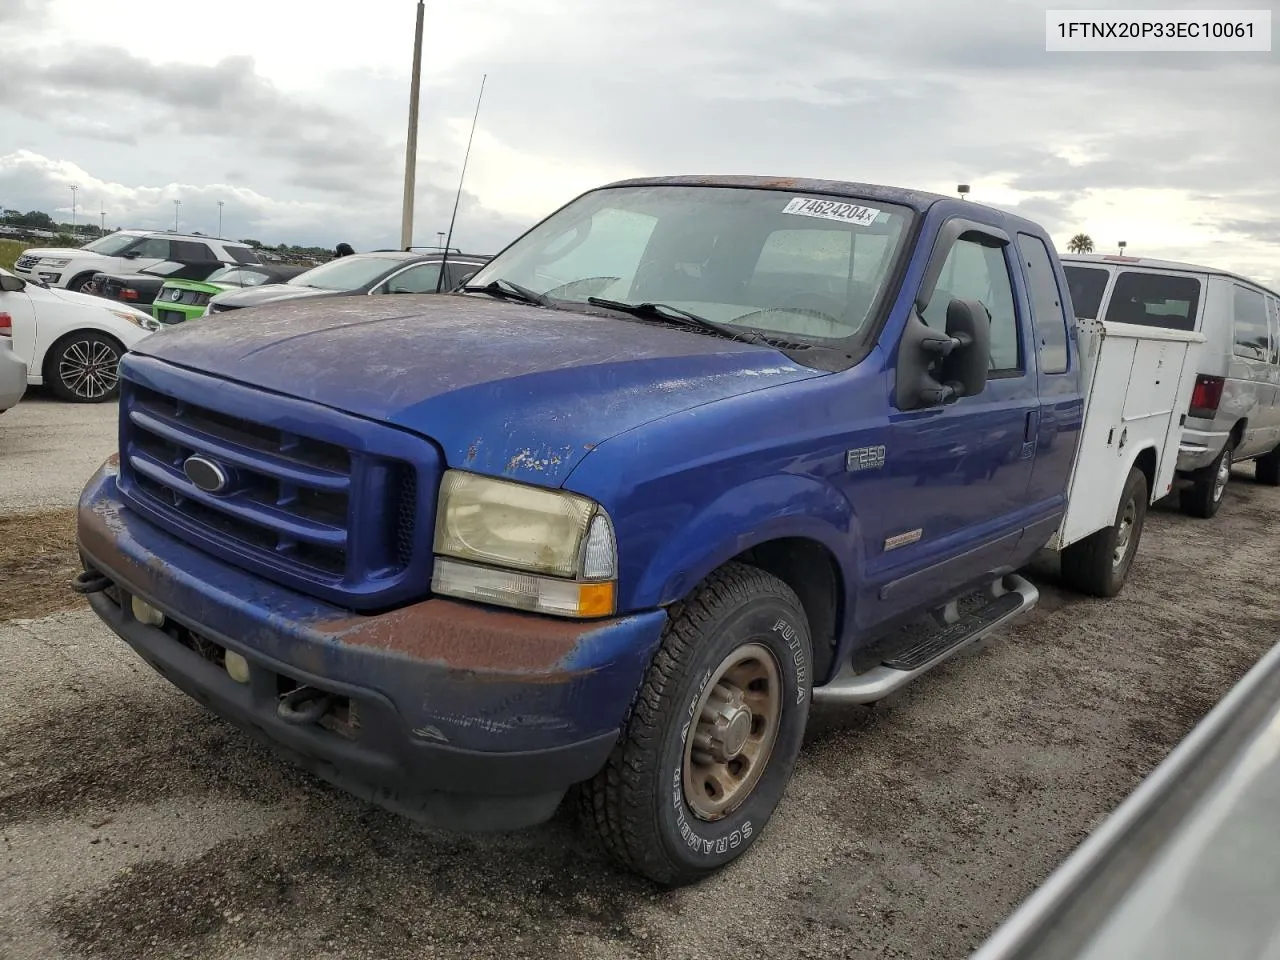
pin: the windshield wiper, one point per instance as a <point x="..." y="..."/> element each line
<point x="508" y="291"/>
<point x="664" y="311"/>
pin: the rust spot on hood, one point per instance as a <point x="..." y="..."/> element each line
<point x="463" y="637"/>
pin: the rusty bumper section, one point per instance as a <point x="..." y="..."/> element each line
<point x="467" y="717"/>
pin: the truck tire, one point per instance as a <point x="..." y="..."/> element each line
<point x="710" y="742"/>
<point x="1208" y="490"/>
<point x="1267" y="468"/>
<point x="1099" y="564"/>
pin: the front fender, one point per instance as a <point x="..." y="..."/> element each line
<point x="763" y="509"/>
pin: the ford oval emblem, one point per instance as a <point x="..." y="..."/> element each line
<point x="208" y="475"/>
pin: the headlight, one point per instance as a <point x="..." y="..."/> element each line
<point x="53" y="262"/>
<point x="520" y="546"/>
<point x="137" y="319"/>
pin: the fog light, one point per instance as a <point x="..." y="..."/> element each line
<point x="237" y="666"/>
<point x="144" y="612"/>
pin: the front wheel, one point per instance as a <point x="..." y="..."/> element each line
<point x="84" y="368"/>
<point x="82" y="284"/>
<point x="1099" y="564"/>
<point x="711" y="741"/>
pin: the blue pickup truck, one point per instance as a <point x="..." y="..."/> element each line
<point x="687" y="455"/>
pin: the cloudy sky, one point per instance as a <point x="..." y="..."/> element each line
<point x="295" y="117"/>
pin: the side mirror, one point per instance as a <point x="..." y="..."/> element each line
<point x="130" y="255"/>
<point x="10" y="284"/>
<point x="965" y="367"/>
<point x="936" y="368"/>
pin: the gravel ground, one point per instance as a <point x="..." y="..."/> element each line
<point x="135" y="825"/>
<point x="48" y="449"/>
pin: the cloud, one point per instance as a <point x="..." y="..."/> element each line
<point x="31" y="181"/>
<point x="225" y="101"/>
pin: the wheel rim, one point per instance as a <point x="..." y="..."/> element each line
<point x="1124" y="534"/>
<point x="737" y="725"/>
<point x="1223" y="474"/>
<point x="88" y="368"/>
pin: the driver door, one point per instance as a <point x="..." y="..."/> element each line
<point x="956" y="502"/>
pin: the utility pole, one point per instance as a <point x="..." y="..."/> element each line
<point x="104" y="219"/>
<point x="220" y="219"/>
<point x="411" y="147"/>
<point x="176" y="205"/>
<point x="74" y="188"/>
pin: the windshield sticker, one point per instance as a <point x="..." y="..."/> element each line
<point x="832" y="210"/>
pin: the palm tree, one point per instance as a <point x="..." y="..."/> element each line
<point x="1080" y="243"/>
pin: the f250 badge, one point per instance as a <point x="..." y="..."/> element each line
<point x="864" y="458"/>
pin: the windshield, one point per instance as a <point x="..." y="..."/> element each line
<point x="809" y="267"/>
<point x="237" y="277"/>
<point x="345" y="273"/>
<point x="111" y="244"/>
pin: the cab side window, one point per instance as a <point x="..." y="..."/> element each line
<point x="973" y="271"/>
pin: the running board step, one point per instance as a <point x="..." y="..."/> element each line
<point x="1018" y="596"/>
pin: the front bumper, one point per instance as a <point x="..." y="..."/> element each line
<point x="468" y="718"/>
<point x="173" y="313"/>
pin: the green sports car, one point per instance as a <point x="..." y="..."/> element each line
<point x="182" y="300"/>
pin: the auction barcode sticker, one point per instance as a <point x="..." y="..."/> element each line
<point x="1158" y="31"/>
<point x="832" y="210"/>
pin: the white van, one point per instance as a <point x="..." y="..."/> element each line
<point x="1235" y="407"/>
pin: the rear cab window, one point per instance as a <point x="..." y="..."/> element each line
<point x="243" y="255"/>
<point x="1166" y="300"/>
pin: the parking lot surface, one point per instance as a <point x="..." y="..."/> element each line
<point x="133" y="824"/>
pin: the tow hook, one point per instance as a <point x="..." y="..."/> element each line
<point x="303" y="706"/>
<point x="90" y="581"/>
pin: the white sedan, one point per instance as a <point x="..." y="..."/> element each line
<point x="71" y="342"/>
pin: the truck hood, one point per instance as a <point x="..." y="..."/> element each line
<point x="504" y="388"/>
<point x="269" y="292"/>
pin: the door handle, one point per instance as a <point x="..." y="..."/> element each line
<point x="1032" y="426"/>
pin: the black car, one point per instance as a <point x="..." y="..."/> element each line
<point x="385" y="271"/>
<point x="140" y="289"/>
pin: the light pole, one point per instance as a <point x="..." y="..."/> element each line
<point x="176" y="205"/>
<point x="74" y="188"/>
<point x="219" y="219"/>
<point x="1123" y="244"/>
<point x="963" y="190"/>
<point x="104" y="219"/>
<point x="440" y="236"/>
<point x="411" y="147"/>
